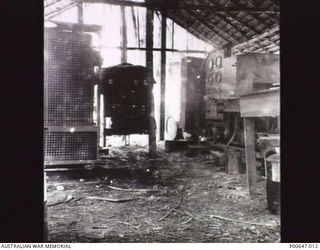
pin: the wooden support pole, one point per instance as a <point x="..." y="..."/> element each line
<point x="123" y="31"/>
<point x="249" y="142"/>
<point x="150" y="81"/>
<point x="163" y="73"/>
<point x="80" y="13"/>
<point x="172" y="35"/>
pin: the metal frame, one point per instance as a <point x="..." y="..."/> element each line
<point x="69" y="162"/>
<point x="71" y="129"/>
<point x="77" y="128"/>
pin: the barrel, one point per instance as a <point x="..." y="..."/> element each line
<point x="273" y="183"/>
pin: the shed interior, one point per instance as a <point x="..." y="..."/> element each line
<point x="162" y="120"/>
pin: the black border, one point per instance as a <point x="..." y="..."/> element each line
<point x="299" y="42"/>
<point x="21" y="141"/>
<point x="21" y="192"/>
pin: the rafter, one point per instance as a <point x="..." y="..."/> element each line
<point x="182" y="23"/>
<point x="220" y="16"/>
<point x="51" y="3"/>
<point x="236" y="3"/>
<point x="256" y="38"/>
<point x="252" y="29"/>
<point x="232" y="25"/>
<point x="60" y="10"/>
<point x="190" y="29"/>
<point x="266" y="13"/>
<point x="266" y="48"/>
<point x="174" y="6"/>
<point x="213" y="28"/>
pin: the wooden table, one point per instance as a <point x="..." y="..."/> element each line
<point x="257" y="104"/>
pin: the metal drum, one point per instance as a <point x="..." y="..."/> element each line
<point x="273" y="183"/>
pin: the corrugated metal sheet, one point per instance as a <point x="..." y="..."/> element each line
<point x="218" y="22"/>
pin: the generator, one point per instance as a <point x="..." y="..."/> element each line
<point x="70" y="134"/>
<point x="125" y="99"/>
<point x="227" y="78"/>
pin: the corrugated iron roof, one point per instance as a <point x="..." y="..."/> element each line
<point x="249" y="25"/>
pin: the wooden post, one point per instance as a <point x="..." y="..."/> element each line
<point x="102" y="119"/>
<point x="97" y="95"/>
<point x="249" y="142"/>
<point x="172" y="35"/>
<point x="123" y="31"/>
<point x="80" y="13"/>
<point x="149" y="63"/>
<point x="163" y="73"/>
<point x="233" y="165"/>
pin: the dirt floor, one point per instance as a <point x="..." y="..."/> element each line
<point x="184" y="199"/>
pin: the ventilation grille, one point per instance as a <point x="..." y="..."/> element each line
<point x="68" y="70"/>
<point x="61" y="146"/>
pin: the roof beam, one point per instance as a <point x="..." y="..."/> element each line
<point x="51" y="3"/>
<point x="235" y="2"/>
<point x="225" y="17"/>
<point x="174" y="6"/>
<point x="265" y="34"/>
<point x="190" y="29"/>
<point x="255" y="39"/>
<point x="232" y="25"/>
<point x="266" y="48"/>
<point x="221" y="17"/>
<point x="268" y="14"/>
<point x="213" y="28"/>
<point x="59" y="10"/>
<point x="252" y="29"/>
<point x="77" y="26"/>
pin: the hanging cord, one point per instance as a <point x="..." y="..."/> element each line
<point x="232" y="137"/>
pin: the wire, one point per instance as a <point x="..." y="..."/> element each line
<point x="233" y="135"/>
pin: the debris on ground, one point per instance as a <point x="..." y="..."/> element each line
<point x="177" y="200"/>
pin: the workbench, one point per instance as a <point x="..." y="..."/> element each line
<point x="264" y="103"/>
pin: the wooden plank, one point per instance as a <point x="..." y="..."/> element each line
<point x="249" y="141"/>
<point x="76" y="26"/>
<point x="155" y="49"/>
<point x="262" y="104"/>
<point x="232" y="105"/>
<point x="149" y="63"/>
<point x="163" y="73"/>
<point x="171" y="50"/>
